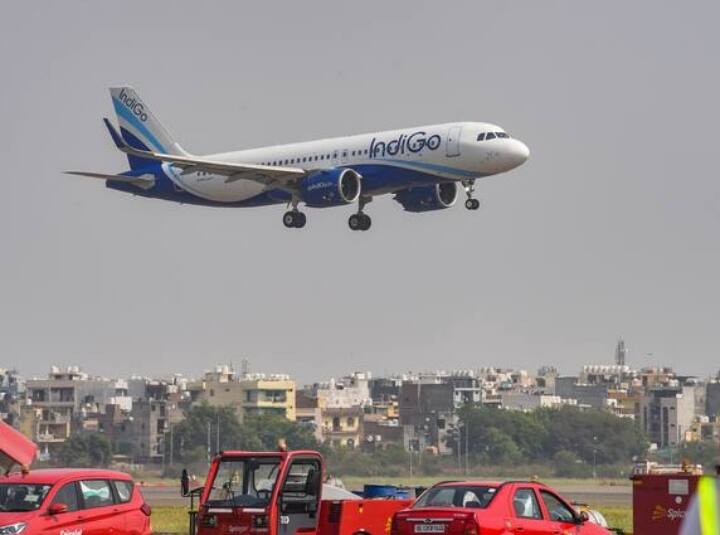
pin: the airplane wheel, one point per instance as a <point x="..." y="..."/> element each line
<point x="472" y="204"/>
<point x="356" y="222"/>
<point x="289" y="219"/>
<point x="300" y="220"/>
<point x="366" y="222"/>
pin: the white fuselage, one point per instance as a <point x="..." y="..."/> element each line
<point x="445" y="152"/>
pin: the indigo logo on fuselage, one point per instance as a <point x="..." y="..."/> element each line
<point x="414" y="142"/>
<point x="136" y="107"/>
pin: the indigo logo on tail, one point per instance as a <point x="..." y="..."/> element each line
<point x="136" y="107"/>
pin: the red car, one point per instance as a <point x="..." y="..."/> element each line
<point x="489" y="508"/>
<point x="72" y="501"/>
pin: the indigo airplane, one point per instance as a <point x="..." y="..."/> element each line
<point x="423" y="167"/>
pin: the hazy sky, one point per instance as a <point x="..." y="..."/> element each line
<point x="611" y="228"/>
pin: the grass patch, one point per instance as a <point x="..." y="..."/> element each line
<point x="618" y="517"/>
<point x="168" y="519"/>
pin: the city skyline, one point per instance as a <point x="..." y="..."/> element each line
<point x="611" y="227"/>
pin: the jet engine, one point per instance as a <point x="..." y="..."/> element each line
<point x="330" y="187"/>
<point x="427" y="198"/>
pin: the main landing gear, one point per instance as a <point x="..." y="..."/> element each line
<point x="294" y="219"/>
<point x="360" y="221"/>
<point x="470" y="203"/>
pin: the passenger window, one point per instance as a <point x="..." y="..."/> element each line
<point x="124" y="490"/>
<point x="96" y="493"/>
<point x="68" y="496"/>
<point x="489" y="135"/>
<point x="559" y="512"/>
<point x="481" y="136"/>
<point x="525" y="504"/>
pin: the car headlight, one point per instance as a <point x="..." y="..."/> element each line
<point x="12" y="529"/>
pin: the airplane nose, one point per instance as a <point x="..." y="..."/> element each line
<point x="519" y="153"/>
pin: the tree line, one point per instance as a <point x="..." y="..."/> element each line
<point x="565" y="442"/>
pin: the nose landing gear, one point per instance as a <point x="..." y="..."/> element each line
<point x="470" y="203"/>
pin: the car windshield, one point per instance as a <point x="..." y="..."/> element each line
<point x="244" y="482"/>
<point x="18" y="497"/>
<point x="469" y="496"/>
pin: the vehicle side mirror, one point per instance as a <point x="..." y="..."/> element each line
<point x="58" y="508"/>
<point x="184" y="483"/>
<point x="583" y="517"/>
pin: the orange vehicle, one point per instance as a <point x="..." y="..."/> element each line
<point x="280" y="493"/>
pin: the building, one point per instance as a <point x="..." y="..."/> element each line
<point x="58" y="404"/>
<point x="347" y="392"/>
<point x="342" y="426"/>
<point x="251" y="394"/>
<point x="272" y="394"/>
<point x="529" y="401"/>
<point x="12" y="388"/>
<point x="588" y="395"/>
<point x="712" y="399"/>
<point x="141" y="433"/>
<point x="666" y="413"/>
<point x="427" y="410"/>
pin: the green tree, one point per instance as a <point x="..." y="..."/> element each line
<point x="190" y="437"/>
<point x="85" y="450"/>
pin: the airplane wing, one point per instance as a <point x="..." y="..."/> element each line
<point x="271" y="176"/>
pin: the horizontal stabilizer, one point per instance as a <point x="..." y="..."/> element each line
<point x="145" y="181"/>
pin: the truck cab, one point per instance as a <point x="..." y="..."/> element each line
<point x="273" y="493"/>
<point x="280" y="493"/>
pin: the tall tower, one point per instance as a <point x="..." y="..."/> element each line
<point x="620" y="353"/>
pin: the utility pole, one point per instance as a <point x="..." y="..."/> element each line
<point x="208" y="441"/>
<point x="595" y="457"/>
<point x="217" y="434"/>
<point x="457" y="447"/>
<point x="172" y="444"/>
<point x="467" y="447"/>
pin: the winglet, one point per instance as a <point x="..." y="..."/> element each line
<point x="119" y="142"/>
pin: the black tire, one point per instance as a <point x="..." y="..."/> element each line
<point x="476" y="204"/>
<point x="289" y="219"/>
<point x="366" y="222"/>
<point x="300" y="220"/>
<point x="355" y="222"/>
<point x="469" y="204"/>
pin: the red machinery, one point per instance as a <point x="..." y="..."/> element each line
<point x="15" y="448"/>
<point x="279" y="493"/>
<point x="661" y="495"/>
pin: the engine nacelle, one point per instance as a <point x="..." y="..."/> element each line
<point x="426" y="198"/>
<point x="331" y="187"/>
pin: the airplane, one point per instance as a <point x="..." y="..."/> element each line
<point x="422" y="167"/>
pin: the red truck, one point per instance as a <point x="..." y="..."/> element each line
<point x="280" y="493"/>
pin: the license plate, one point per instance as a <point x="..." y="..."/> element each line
<point x="429" y="528"/>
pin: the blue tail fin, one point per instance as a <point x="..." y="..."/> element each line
<point x="140" y="128"/>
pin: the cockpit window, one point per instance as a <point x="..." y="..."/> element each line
<point x="485" y="136"/>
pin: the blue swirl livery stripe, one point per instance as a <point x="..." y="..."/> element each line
<point x="126" y="114"/>
<point x="431" y="167"/>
